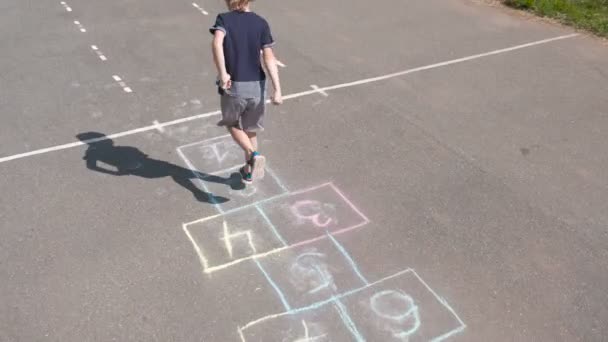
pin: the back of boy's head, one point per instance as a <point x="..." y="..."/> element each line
<point x="237" y="5"/>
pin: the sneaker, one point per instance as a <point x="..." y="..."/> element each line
<point x="246" y="177"/>
<point x="257" y="163"/>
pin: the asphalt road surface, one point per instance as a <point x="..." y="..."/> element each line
<point x="437" y="173"/>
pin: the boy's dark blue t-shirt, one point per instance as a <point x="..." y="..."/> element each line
<point x="246" y="35"/>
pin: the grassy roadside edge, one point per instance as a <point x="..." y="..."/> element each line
<point x="590" y="15"/>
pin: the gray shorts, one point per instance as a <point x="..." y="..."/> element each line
<point x="246" y="114"/>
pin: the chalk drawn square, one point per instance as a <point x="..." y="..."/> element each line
<point x="225" y="240"/>
<point x="306" y="215"/>
<point x="212" y="155"/>
<point x="322" y="325"/>
<point x="228" y="184"/>
<point x="311" y="273"/>
<point x="402" y="308"/>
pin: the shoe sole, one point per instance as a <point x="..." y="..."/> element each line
<point x="258" y="167"/>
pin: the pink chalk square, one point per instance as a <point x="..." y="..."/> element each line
<point x="312" y="213"/>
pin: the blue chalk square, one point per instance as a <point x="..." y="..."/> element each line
<point x="311" y="273"/>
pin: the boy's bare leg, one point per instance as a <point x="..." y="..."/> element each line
<point x="253" y="138"/>
<point x="242" y="139"/>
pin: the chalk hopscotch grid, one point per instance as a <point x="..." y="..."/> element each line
<point x="276" y="197"/>
<point x="335" y="300"/>
<point x="346" y="294"/>
<point x="343" y="312"/>
<point x="210" y="269"/>
<point x="195" y="171"/>
<point x="225" y="136"/>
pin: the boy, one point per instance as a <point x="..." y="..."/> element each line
<point x="238" y="38"/>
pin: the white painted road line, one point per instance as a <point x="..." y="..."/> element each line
<point x="99" y="53"/>
<point x="111" y="136"/>
<point x="158" y="126"/>
<point x="80" y="27"/>
<point x="200" y="8"/>
<point x="287" y="97"/>
<point x="319" y="90"/>
<point x="450" y="62"/>
<point x="65" y="5"/>
<point x="122" y="84"/>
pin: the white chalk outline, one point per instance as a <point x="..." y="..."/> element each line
<point x="207" y="269"/>
<point x="445" y="303"/>
<point x="204" y="143"/>
<point x="210" y="270"/>
<point x="413" y="311"/>
<point x="182" y="154"/>
<point x="201" y="181"/>
<point x="227" y="238"/>
<point x="307" y="337"/>
<point x="297" y="192"/>
<point x="180" y="149"/>
<point x="288" y="97"/>
<point x="331" y="300"/>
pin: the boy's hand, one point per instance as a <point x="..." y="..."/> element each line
<point x="277" y="97"/>
<point x="225" y="81"/>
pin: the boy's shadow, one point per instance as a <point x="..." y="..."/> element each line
<point x="128" y="160"/>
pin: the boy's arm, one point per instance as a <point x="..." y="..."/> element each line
<point x="219" y="59"/>
<point x="271" y="66"/>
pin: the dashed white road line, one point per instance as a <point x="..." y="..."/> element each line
<point x="287" y="97"/>
<point x="66" y="6"/>
<point x="80" y="26"/>
<point x="195" y="5"/>
<point x="122" y="84"/>
<point x="99" y="53"/>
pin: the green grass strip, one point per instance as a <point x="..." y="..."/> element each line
<point x="590" y="15"/>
